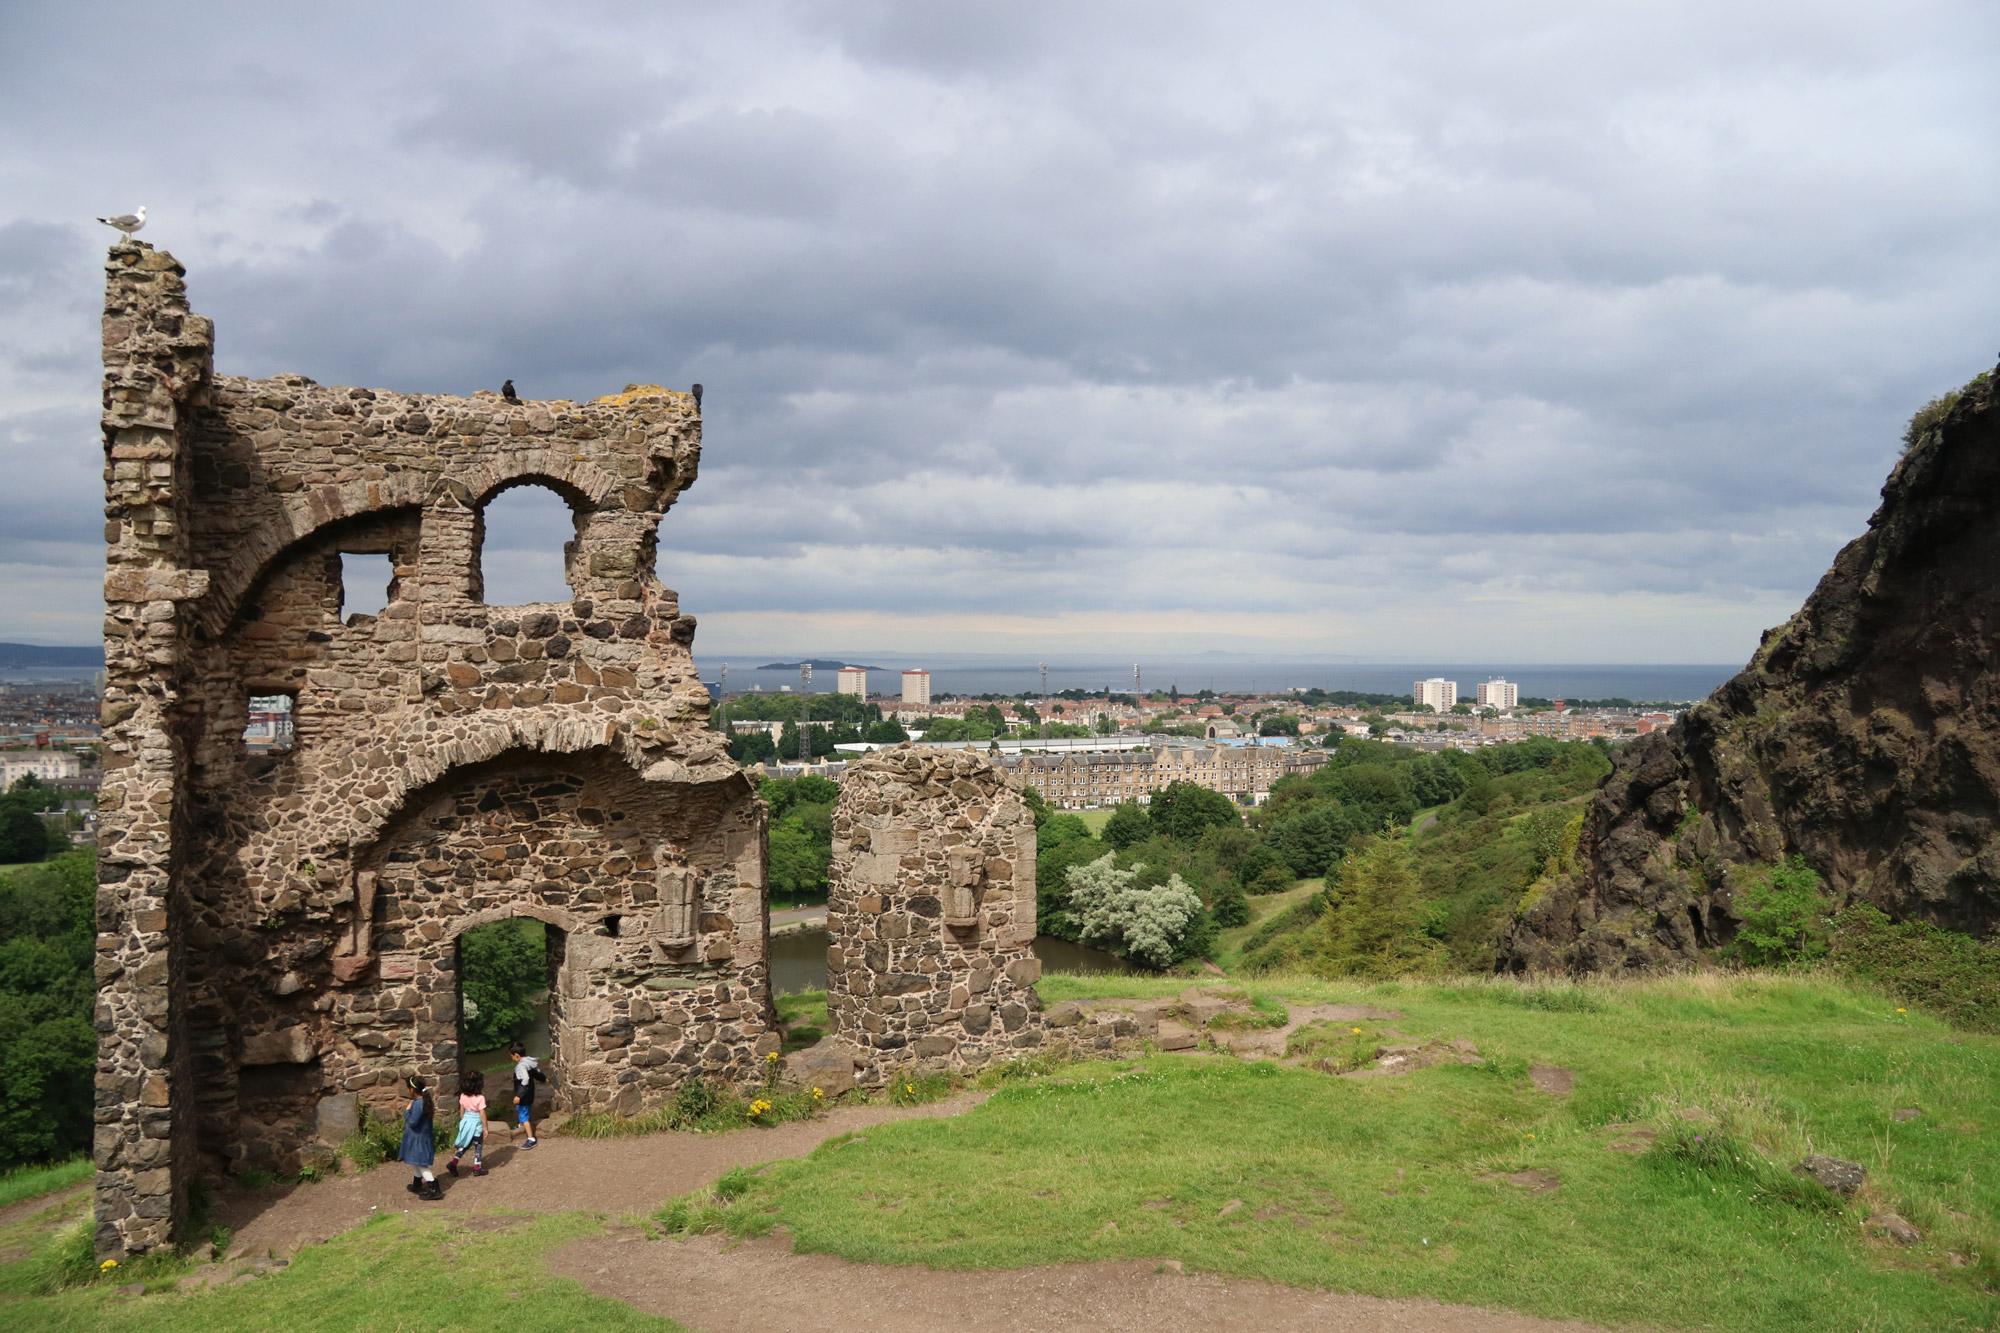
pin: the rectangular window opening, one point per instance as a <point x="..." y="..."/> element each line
<point x="365" y="579"/>
<point x="269" y="730"/>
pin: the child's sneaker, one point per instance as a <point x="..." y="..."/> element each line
<point x="479" y="1170"/>
<point x="529" y="1144"/>
<point x="452" y="1166"/>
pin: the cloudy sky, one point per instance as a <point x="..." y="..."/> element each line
<point x="1531" y="332"/>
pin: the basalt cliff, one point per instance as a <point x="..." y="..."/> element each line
<point x="1863" y="736"/>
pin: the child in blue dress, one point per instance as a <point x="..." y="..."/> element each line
<point x="419" y="1148"/>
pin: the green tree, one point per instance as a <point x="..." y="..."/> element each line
<point x="781" y="794"/>
<point x="1128" y="825"/>
<point x="1182" y="810"/>
<point x="1064" y="842"/>
<point x="1375" y="926"/>
<point x="886" y="732"/>
<point x="1315" y="839"/>
<point x="48" y="1049"/>
<point x="1229" y="907"/>
<point x="501" y="967"/>
<point x="23" y="835"/>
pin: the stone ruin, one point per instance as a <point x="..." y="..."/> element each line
<point x="278" y="927"/>
<point x="278" y="931"/>
<point x="930" y="915"/>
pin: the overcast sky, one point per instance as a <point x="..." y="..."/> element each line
<point x="1530" y="332"/>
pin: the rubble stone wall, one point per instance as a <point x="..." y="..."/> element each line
<point x="278" y="930"/>
<point x="931" y="914"/>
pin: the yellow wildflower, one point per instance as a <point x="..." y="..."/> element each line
<point x="107" y="1265"/>
<point x="1355" y="1031"/>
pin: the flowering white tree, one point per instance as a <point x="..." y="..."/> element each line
<point x="1112" y="912"/>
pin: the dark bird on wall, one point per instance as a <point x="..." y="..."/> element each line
<point x="507" y="392"/>
<point x="697" y="398"/>
<point x="127" y="222"/>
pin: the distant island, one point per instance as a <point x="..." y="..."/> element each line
<point x="817" y="665"/>
<point x="15" y="656"/>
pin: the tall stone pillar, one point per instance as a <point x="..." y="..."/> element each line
<point x="931" y="913"/>
<point x="158" y="364"/>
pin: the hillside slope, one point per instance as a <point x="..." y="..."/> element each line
<point x="1864" y="736"/>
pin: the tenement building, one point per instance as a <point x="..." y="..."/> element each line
<point x="279" y="925"/>
<point x="1092" y="779"/>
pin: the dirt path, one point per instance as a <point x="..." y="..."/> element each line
<point x="762" y="1287"/>
<point x="614" y="1176"/>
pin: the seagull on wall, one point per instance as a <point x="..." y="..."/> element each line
<point x="127" y="222"/>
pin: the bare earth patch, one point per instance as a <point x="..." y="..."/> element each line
<point x="613" y="1176"/>
<point x="1552" y="1079"/>
<point x="759" y="1286"/>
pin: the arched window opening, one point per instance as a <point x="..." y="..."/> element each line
<point x="365" y="581"/>
<point x="269" y="723"/>
<point x="525" y="533"/>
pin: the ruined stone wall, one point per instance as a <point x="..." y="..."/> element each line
<point x="931" y="913"/>
<point x="280" y="929"/>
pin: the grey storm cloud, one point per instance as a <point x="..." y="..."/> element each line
<point x="1353" y="321"/>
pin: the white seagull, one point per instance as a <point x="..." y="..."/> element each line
<point x="127" y="222"/>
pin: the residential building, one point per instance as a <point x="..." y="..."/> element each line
<point x="852" y="680"/>
<point x="1096" y="779"/>
<point x="916" y="687"/>
<point x="50" y="766"/>
<point x="1437" y="692"/>
<point x="1499" y="694"/>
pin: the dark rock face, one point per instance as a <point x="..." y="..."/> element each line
<point x="1864" y="736"/>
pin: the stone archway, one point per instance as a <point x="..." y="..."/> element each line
<point x="659" y="967"/>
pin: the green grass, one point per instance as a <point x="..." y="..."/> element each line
<point x="803" y="1015"/>
<point x="1229" y="943"/>
<point x="1094" y="820"/>
<point x="25" y="1182"/>
<point x="1395" y="1186"/>
<point x="395" y="1273"/>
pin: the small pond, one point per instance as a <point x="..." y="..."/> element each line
<point x="798" y="960"/>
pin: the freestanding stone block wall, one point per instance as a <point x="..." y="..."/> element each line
<point x="278" y="931"/>
<point x="931" y="913"/>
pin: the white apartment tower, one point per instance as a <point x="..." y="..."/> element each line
<point x="852" y="680"/>
<point x="1498" y="694"/>
<point x="1438" y="693"/>
<point x="916" y="687"/>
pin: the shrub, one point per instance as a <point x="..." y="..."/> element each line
<point x="1948" y="974"/>
<point x="1930" y="414"/>
<point x="376" y="1141"/>
<point x="1782" y="915"/>
<point x="1158" y="926"/>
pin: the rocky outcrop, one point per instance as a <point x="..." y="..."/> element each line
<point x="1864" y="736"/>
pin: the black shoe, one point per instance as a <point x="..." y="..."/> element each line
<point x="452" y="1166"/>
<point x="416" y="1185"/>
<point x="432" y="1190"/>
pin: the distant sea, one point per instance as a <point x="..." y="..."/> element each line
<point x="1238" y="675"/>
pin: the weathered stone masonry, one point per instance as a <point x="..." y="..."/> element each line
<point x="931" y="914"/>
<point x="278" y="932"/>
